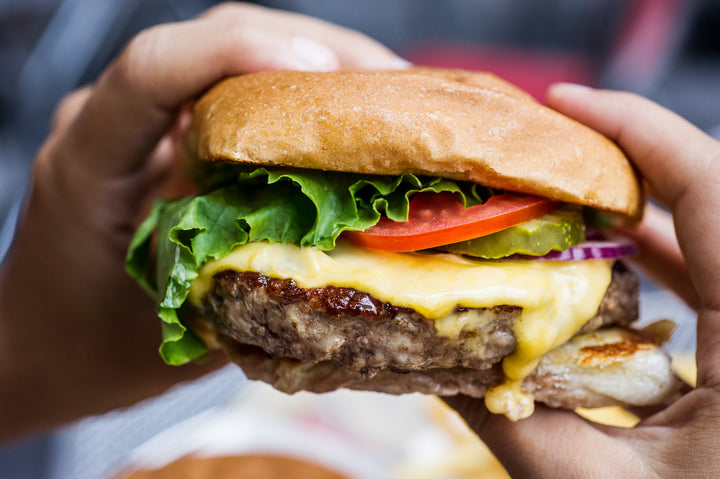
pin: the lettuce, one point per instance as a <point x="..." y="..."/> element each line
<point x="304" y="207"/>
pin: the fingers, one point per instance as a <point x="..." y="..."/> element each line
<point x="671" y="154"/>
<point x="136" y="99"/>
<point x="353" y="49"/>
<point x="675" y="158"/>
<point x="680" y="163"/>
<point x="550" y="443"/>
<point x="69" y="108"/>
<point x="660" y="256"/>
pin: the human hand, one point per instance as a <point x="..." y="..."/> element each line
<point x="680" y="165"/>
<point x="77" y="335"/>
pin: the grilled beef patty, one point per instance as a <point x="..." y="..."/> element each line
<point x="357" y="331"/>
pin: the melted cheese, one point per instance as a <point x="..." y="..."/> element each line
<point x="510" y="400"/>
<point x="557" y="297"/>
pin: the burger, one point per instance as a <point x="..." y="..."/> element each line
<point x="428" y="230"/>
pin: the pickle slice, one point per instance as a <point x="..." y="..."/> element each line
<point x="557" y="230"/>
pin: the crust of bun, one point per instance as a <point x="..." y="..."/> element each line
<point x="450" y="123"/>
<point x="609" y="367"/>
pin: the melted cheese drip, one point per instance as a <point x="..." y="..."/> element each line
<point x="557" y="297"/>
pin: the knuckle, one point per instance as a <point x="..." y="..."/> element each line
<point x="234" y="25"/>
<point x="714" y="156"/>
<point x="243" y="35"/>
<point x="138" y="55"/>
<point x="629" y="98"/>
<point x="43" y="159"/>
<point x="68" y="108"/>
<point x="224" y="9"/>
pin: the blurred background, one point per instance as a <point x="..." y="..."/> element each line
<point x="668" y="50"/>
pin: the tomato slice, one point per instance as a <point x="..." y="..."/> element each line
<point x="437" y="219"/>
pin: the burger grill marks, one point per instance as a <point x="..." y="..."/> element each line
<point x="359" y="332"/>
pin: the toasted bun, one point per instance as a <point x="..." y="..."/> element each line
<point x="449" y="123"/>
<point x="607" y="367"/>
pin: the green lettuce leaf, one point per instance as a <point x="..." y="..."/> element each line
<point x="303" y="207"/>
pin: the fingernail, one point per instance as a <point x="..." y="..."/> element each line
<point x="569" y="89"/>
<point x="314" y="55"/>
<point x="401" y="64"/>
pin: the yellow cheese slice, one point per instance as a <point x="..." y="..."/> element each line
<point x="557" y="297"/>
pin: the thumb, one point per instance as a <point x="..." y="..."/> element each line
<point x="108" y="146"/>
<point x="135" y="101"/>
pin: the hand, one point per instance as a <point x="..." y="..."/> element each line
<point x="682" y="168"/>
<point x="77" y="336"/>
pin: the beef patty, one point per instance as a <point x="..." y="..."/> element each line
<point x="364" y="334"/>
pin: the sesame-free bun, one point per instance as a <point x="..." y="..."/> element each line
<point x="450" y="123"/>
<point x="608" y="367"/>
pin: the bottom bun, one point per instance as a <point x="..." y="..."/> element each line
<point x="614" y="366"/>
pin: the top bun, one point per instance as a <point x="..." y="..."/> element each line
<point x="450" y="123"/>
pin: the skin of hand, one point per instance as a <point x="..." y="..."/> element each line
<point x="77" y="336"/>
<point x="682" y="168"/>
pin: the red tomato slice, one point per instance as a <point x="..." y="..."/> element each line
<point x="437" y="219"/>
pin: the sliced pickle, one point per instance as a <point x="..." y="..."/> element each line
<point x="557" y="230"/>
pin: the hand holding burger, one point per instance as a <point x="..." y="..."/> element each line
<point x="77" y="336"/>
<point x="679" y="163"/>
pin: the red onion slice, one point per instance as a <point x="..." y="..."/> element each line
<point x="614" y="248"/>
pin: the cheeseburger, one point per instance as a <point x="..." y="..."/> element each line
<point x="407" y="231"/>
